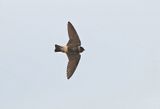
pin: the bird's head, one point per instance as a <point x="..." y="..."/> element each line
<point x="81" y="49"/>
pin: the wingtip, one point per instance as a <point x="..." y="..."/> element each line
<point x="69" y="22"/>
<point x="68" y="77"/>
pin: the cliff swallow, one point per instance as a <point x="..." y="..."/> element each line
<point x="72" y="50"/>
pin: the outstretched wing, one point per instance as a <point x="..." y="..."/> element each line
<point x="73" y="36"/>
<point x="72" y="63"/>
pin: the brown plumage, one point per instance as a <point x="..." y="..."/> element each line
<point x="72" y="49"/>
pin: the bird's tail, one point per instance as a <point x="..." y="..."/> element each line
<point x="58" y="48"/>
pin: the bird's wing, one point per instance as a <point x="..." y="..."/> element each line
<point x="73" y="36"/>
<point x="72" y="63"/>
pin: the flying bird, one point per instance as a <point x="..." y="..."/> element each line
<point x="72" y="49"/>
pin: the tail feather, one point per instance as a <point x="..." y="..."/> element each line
<point x="57" y="48"/>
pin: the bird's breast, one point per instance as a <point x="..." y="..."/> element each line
<point x="73" y="49"/>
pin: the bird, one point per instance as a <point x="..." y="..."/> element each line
<point x="72" y="49"/>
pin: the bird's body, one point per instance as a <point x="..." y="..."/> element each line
<point x="72" y="49"/>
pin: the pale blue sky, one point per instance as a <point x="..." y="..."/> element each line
<point x="120" y="68"/>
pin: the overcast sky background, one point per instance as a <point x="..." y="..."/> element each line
<point x="120" y="68"/>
